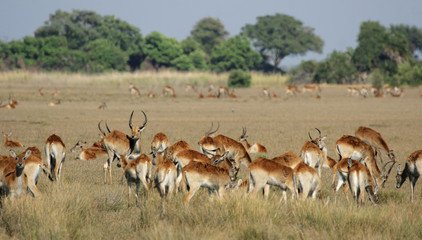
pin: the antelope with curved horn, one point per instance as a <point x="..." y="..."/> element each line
<point x="352" y="147"/>
<point x="10" y="143"/>
<point x="375" y="139"/>
<point x="412" y="170"/>
<point x="255" y="148"/>
<point x="13" y="179"/>
<point x="7" y="106"/>
<point x="314" y="152"/>
<point x="118" y="143"/>
<point x="55" y="152"/>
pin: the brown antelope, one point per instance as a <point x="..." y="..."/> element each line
<point x="103" y="106"/>
<point x="40" y="92"/>
<point x="364" y="91"/>
<point x="291" y="90"/>
<point x="412" y="170"/>
<point x="184" y="157"/>
<point x="199" y="174"/>
<point x="54" y="104"/>
<point x="255" y="148"/>
<point x="232" y="95"/>
<point x="212" y="95"/>
<point x="360" y="180"/>
<point x="353" y="91"/>
<point x="55" y="93"/>
<point x="10" y="143"/>
<point x="169" y="91"/>
<point x="289" y="159"/>
<point x="308" y="181"/>
<point x="375" y="139"/>
<point x="311" y="88"/>
<point x="13" y="179"/>
<point x="136" y="171"/>
<point x="223" y="90"/>
<point x="55" y="152"/>
<point x="266" y="92"/>
<point x="200" y="95"/>
<point x="265" y="173"/>
<point x="175" y="149"/>
<point x="352" y="147"/>
<point x="387" y="89"/>
<point x="151" y="94"/>
<point x="221" y="144"/>
<point x="314" y="152"/>
<point x="118" y="143"/>
<point x="7" y="105"/>
<point x="189" y="87"/>
<point x="134" y="91"/>
<point x="159" y="144"/>
<point x="33" y="167"/>
<point x="12" y="101"/>
<point x="398" y="95"/>
<point x="211" y="87"/>
<point x="91" y="153"/>
<point x="167" y="176"/>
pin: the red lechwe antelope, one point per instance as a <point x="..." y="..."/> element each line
<point x="159" y="144"/>
<point x="134" y="91"/>
<point x="91" y="153"/>
<point x="412" y="170"/>
<point x="255" y="148"/>
<point x="291" y="90"/>
<point x="136" y="171"/>
<point x="10" y="143"/>
<point x="13" y="180"/>
<point x="7" y="105"/>
<point x="169" y="91"/>
<point x="118" y="143"/>
<point x="311" y="88"/>
<point x="175" y="149"/>
<point x="103" y="106"/>
<point x="167" y="176"/>
<point x="33" y="167"/>
<point x="352" y="147"/>
<point x="375" y="139"/>
<point x="360" y="180"/>
<point x="53" y="104"/>
<point x="314" y="152"/>
<point x="55" y="152"/>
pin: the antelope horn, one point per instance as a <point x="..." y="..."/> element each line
<point x="319" y="132"/>
<point x="145" y="122"/>
<point x="108" y="129"/>
<point x="243" y="132"/>
<point x="99" y="127"/>
<point x="209" y="131"/>
<point x="389" y="170"/>
<point x="309" y="134"/>
<point x="130" y="120"/>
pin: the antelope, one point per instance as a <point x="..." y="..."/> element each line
<point x="199" y="174"/>
<point x="264" y="172"/>
<point x="412" y="170"/>
<point x="232" y="95"/>
<point x="134" y="91"/>
<point x="221" y="144"/>
<point x="311" y="88"/>
<point x="184" y="157"/>
<point x="159" y="144"/>
<point x="212" y="95"/>
<point x="364" y="91"/>
<point x="291" y="89"/>
<point x="136" y="171"/>
<point x="200" y="95"/>
<point x="211" y="87"/>
<point x="394" y="94"/>
<point x="117" y="143"/>
<point x="223" y="90"/>
<point x="308" y="181"/>
<point x="10" y="143"/>
<point x="175" y="149"/>
<point x="353" y="91"/>
<point x="352" y="147"/>
<point x="387" y="89"/>
<point x="169" y="91"/>
<point x="33" y="167"/>
<point x="289" y="159"/>
<point x="13" y="180"/>
<point x="266" y="92"/>
<point x="314" y="152"/>
<point x="359" y="178"/>
<point x="54" y="104"/>
<point x="189" y="87"/>
<point x="40" y="92"/>
<point x="273" y="95"/>
<point x="375" y="139"/>
<point x="167" y="176"/>
<point x="12" y="101"/>
<point x="151" y="94"/>
<point x="7" y="106"/>
<point x="91" y="153"/>
<point x="55" y="93"/>
<point x="55" y="152"/>
<point x="255" y="148"/>
<point x="375" y="90"/>
<point x="103" y="106"/>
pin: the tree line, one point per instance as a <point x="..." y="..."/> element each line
<point x="84" y="41"/>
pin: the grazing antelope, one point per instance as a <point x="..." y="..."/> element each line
<point x="40" y="92"/>
<point x="352" y="147"/>
<point x="166" y="177"/>
<point x="308" y="182"/>
<point x="412" y="170"/>
<point x="136" y="171"/>
<point x="91" y="153"/>
<point x="184" y="157"/>
<point x="221" y="144"/>
<point x="314" y="152"/>
<point x="169" y="91"/>
<point x="291" y="90"/>
<point x="33" y="167"/>
<point x="375" y="139"/>
<point x="13" y="179"/>
<point x="10" y="143"/>
<point x="55" y="152"/>
<point x="103" y="106"/>
<point x="118" y="143"/>
<point x="7" y="105"/>
<point x="134" y="91"/>
<point x="159" y="144"/>
<point x="189" y="87"/>
<point x="359" y="179"/>
<point x="265" y="173"/>
<point x="175" y="149"/>
<point x="375" y="90"/>
<point x="255" y="148"/>
<point x="199" y="174"/>
<point x="54" y="104"/>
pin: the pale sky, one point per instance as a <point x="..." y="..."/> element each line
<point x="335" y="21"/>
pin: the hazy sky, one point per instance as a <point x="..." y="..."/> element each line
<point x="335" y="21"/>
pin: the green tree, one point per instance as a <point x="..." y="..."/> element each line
<point x="304" y="73"/>
<point x="337" y="68"/>
<point x="209" y="32"/>
<point x="239" y="79"/>
<point x="277" y="36"/>
<point x="103" y="56"/>
<point x="161" y="50"/>
<point x="413" y="35"/>
<point x="234" y="53"/>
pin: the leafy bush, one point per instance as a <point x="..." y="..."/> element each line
<point x="239" y="78"/>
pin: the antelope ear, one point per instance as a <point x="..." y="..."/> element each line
<point x="27" y="154"/>
<point x="323" y="139"/>
<point x="12" y="153"/>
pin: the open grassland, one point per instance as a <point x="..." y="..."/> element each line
<point x="82" y="207"/>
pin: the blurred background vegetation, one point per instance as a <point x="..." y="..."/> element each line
<point x="86" y="42"/>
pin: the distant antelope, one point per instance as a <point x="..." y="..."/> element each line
<point x="412" y="170"/>
<point x="364" y="91"/>
<point x="118" y="143"/>
<point x="223" y="90"/>
<point x="55" y="152"/>
<point x="352" y="147"/>
<point x="394" y="94"/>
<point x="33" y="167"/>
<point x="291" y="90"/>
<point x="7" y="105"/>
<point x="353" y="91"/>
<point x="13" y="179"/>
<point x="360" y="179"/>
<point x="169" y="91"/>
<point x="10" y="143"/>
<point x="189" y="87"/>
<point x="151" y="94"/>
<point x="134" y="91"/>
<point x="55" y="93"/>
<point x="314" y="152"/>
<point x="136" y="171"/>
<point x="211" y="87"/>
<point x="255" y="148"/>
<point x="103" y="106"/>
<point x="375" y="139"/>
<point x="232" y="95"/>
<point x="200" y="95"/>
<point x="212" y="95"/>
<point x="266" y="92"/>
<point x="90" y="153"/>
<point x="159" y="144"/>
<point x="40" y="92"/>
<point x="12" y="101"/>
<point x="311" y="88"/>
<point x="375" y="90"/>
<point x="53" y="104"/>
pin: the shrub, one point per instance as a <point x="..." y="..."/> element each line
<point x="239" y="78"/>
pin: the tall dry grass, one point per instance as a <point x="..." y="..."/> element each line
<point x="82" y="207"/>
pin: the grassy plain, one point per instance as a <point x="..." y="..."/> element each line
<point x="82" y="207"/>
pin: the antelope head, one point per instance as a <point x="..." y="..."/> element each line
<point x="319" y="141"/>
<point x="136" y="131"/>
<point x="206" y="144"/>
<point x="78" y="146"/>
<point x="243" y="137"/>
<point x="20" y="161"/>
<point x="399" y="177"/>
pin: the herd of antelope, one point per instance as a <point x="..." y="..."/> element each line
<point x="178" y="167"/>
<point x="375" y="91"/>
